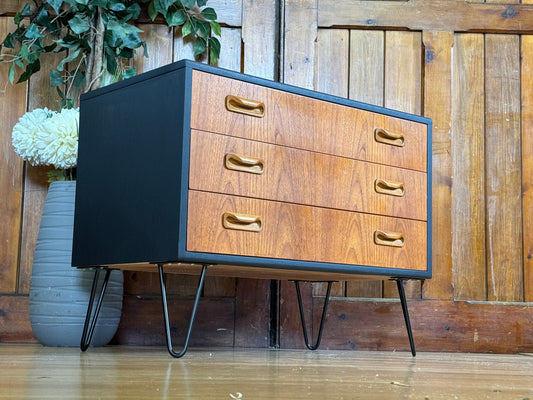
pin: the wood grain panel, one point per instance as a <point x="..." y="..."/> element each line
<point x="259" y="36"/>
<point x="12" y="107"/>
<point x="367" y="52"/>
<point x="468" y="155"/>
<point x="302" y="233"/>
<point x="15" y="324"/>
<point x="300" y="34"/>
<point x="11" y="7"/>
<point x="305" y="123"/>
<point x="438" y="107"/>
<point x="331" y="62"/>
<point x="303" y="177"/>
<point x="454" y="326"/>
<point x="527" y="162"/>
<point x="403" y="91"/>
<point x="503" y="168"/>
<point x="367" y="60"/>
<point x="437" y="15"/>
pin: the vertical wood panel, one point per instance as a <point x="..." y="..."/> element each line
<point x="12" y="107"/>
<point x="438" y="107"/>
<point x="527" y="162"/>
<point x="468" y="152"/>
<point x="260" y="37"/>
<point x="367" y="52"/>
<point x="503" y="163"/>
<point x="403" y="91"/>
<point x="299" y="36"/>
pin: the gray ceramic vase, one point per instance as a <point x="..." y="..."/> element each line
<point x="59" y="293"/>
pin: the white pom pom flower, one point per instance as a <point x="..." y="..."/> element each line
<point x="57" y="140"/>
<point x="24" y="133"/>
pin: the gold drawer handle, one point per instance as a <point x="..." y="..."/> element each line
<point x="237" y="162"/>
<point x="389" y="239"/>
<point x="241" y="222"/>
<point x="245" y="106"/>
<point x="390" y="188"/>
<point x="383" y="136"/>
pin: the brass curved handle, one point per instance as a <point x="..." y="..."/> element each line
<point x="237" y="162"/>
<point x="383" y="136"/>
<point x="390" y="188"/>
<point x="392" y="239"/>
<point x="241" y="222"/>
<point x="245" y="106"/>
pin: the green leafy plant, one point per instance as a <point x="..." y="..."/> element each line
<point x="97" y="38"/>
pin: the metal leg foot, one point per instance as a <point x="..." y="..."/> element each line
<point x="401" y="292"/>
<point x="302" y="316"/>
<point x="193" y="314"/>
<point x="93" y="310"/>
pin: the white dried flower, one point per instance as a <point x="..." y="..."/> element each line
<point x="24" y="132"/>
<point x="57" y="140"/>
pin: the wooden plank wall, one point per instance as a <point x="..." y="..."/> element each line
<point x="241" y="307"/>
<point x="468" y="66"/>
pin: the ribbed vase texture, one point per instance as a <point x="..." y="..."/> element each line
<point x="59" y="293"/>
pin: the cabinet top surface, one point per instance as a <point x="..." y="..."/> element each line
<point x="192" y="65"/>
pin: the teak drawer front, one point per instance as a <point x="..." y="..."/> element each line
<point x="235" y="166"/>
<point x="294" y="232"/>
<point x="273" y="116"/>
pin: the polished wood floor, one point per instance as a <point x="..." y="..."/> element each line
<point x="36" y="372"/>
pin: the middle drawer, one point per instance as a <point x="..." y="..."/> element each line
<point x="229" y="165"/>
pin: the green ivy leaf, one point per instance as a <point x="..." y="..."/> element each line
<point x="132" y="41"/>
<point x="24" y="52"/>
<point x="152" y="12"/>
<point x="204" y="27"/>
<point x="215" y="28"/>
<point x="11" y="73"/>
<point x="118" y="6"/>
<point x="18" y="19"/>
<point x="79" y="24"/>
<point x="82" y="2"/>
<point x="188" y="3"/>
<point x="26" y="11"/>
<point x="55" y="78"/>
<point x="129" y="73"/>
<point x="186" y="29"/>
<point x="30" y="70"/>
<point x="56" y="5"/>
<point x="72" y="56"/>
<point x="209" y="13"/>
<point x="44" y="19"/>
<point x="176" y="17"/>
<point x="8" y="41"/>
<point x="201" y="3"/>
<point x="79" y="79"/>
<point x="33" y="32"/>
<point x="199" y="46"/>
<point x="214" y="50"/>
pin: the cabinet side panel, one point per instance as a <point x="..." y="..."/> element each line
<point x="128" y="184"/>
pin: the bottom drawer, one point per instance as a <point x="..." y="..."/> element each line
<point x="233" y="225"/>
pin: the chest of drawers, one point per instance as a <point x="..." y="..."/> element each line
<point x="191" y="164"/>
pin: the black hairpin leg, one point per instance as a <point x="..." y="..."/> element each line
<point x="302" y="316"/>
<point x="193" y="314"/>
<point x="92" y="310"/>
<point x="401" y="292"/>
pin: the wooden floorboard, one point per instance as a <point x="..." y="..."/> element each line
<point x="120" y="372"/>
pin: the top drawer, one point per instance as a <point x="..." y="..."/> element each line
<point x="274" y="116"/>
